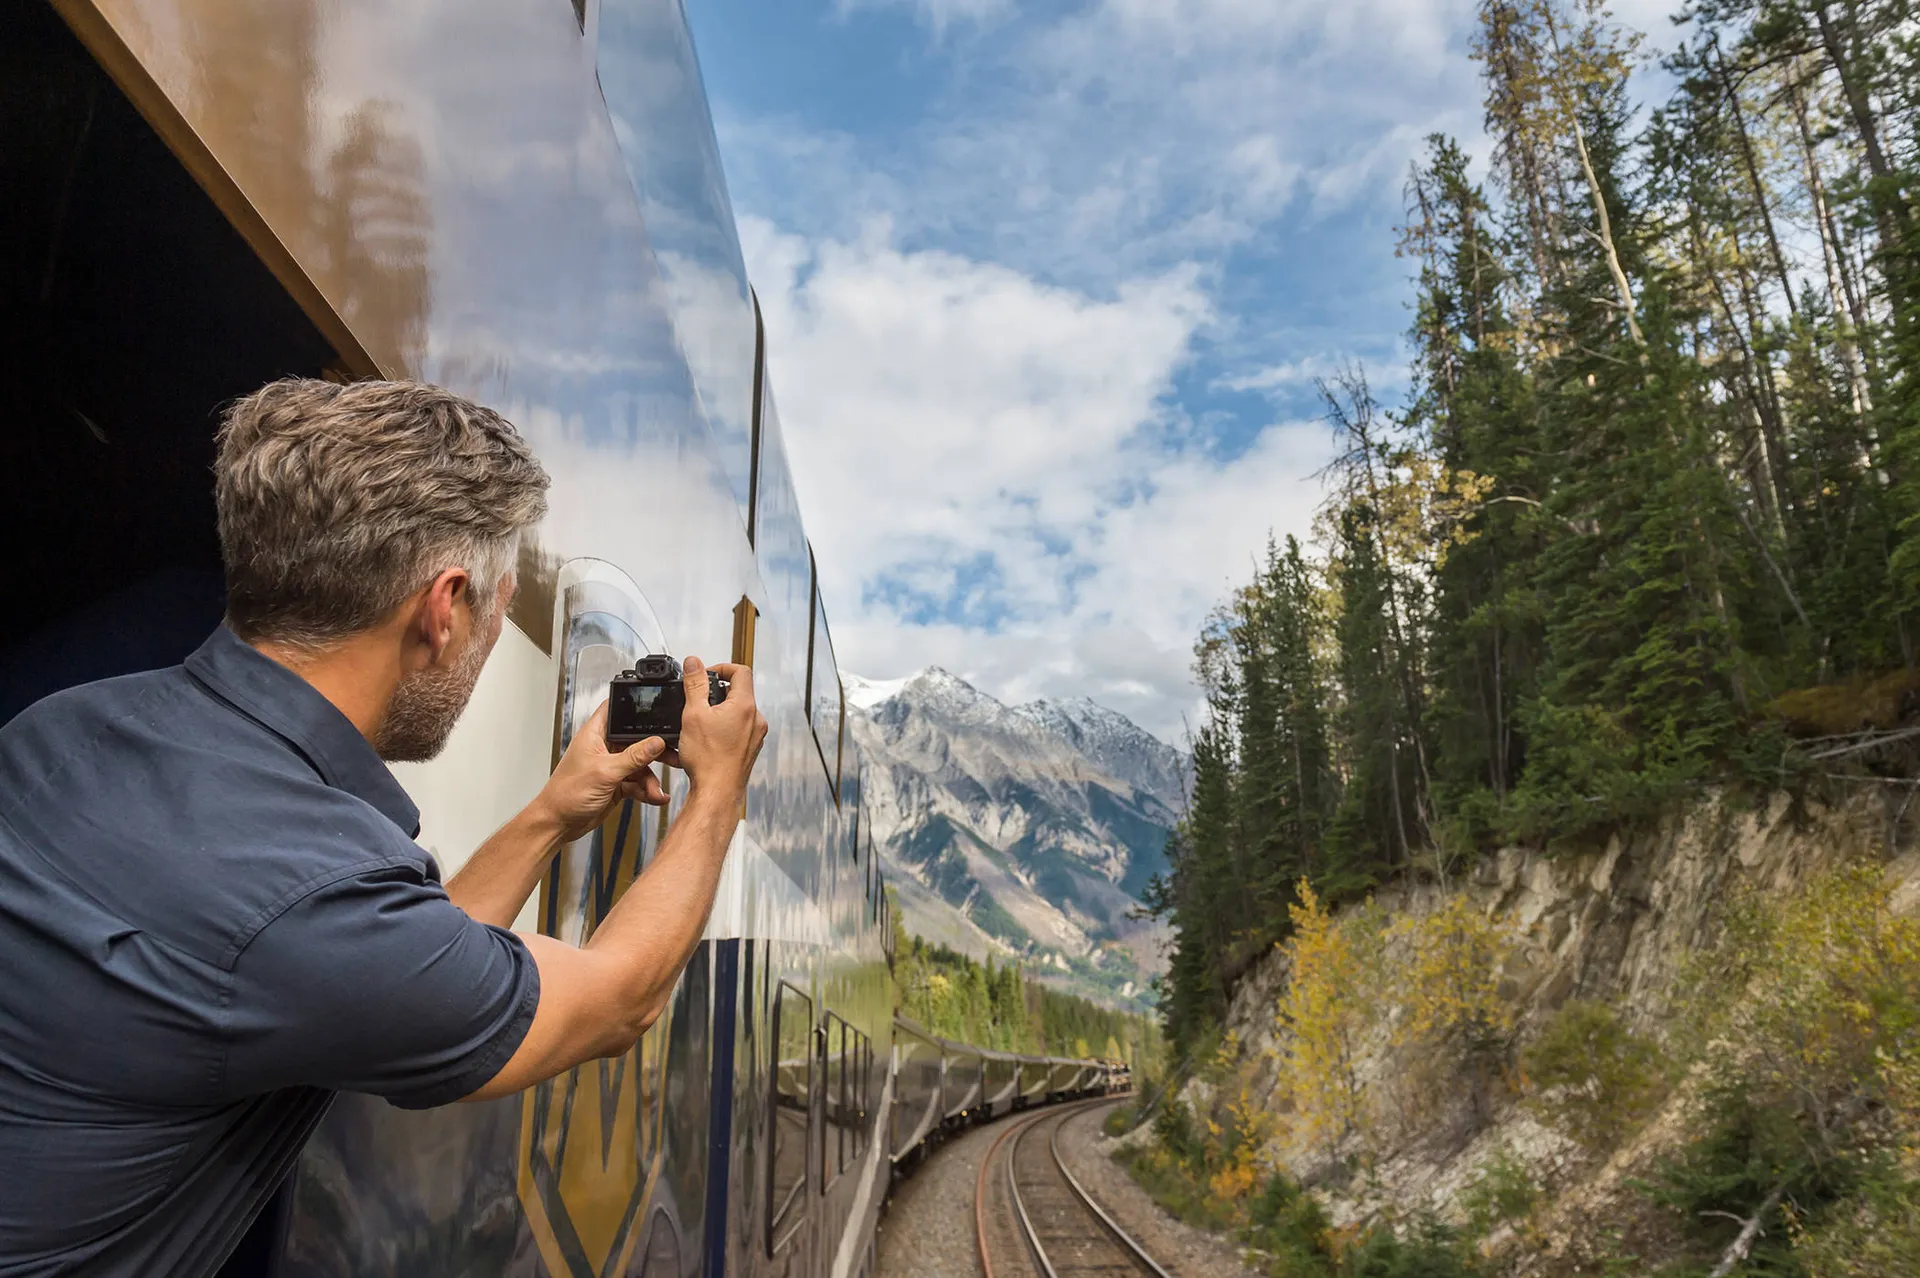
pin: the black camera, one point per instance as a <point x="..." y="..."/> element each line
<point x="647" y="701"/>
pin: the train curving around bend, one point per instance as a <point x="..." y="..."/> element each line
<point x="940" y="1086"/>
<point x="521" y="200"/>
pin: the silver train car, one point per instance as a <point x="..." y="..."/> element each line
<point x="521" y="200"/>
<point x="941" y="1086"/>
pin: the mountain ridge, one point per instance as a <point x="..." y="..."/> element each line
<point x="1026" y="830"/>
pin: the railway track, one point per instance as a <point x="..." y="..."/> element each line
<point x="1032" y="1217"/>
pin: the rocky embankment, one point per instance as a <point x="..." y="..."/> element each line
<point x="1616" y="928"/>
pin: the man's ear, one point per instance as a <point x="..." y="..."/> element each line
<point x="443" y="616"/>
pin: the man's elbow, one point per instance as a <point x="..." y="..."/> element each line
<point x="626" y="1029"/>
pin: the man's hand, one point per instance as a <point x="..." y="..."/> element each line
<point x="591" y="778"/>
<point x="718" y="744"/>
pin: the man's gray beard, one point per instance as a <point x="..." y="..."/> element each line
<point x="428" y="703"/>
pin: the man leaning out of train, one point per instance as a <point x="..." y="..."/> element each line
<point x="213" y="915"/>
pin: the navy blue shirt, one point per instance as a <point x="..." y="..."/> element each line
<point x="213" y="916"/>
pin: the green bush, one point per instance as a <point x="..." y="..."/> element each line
<point x="1873" y="1231"/>
<point x="1288" y="1223"/>
<point x="1502" y="1193"/>
<point x="1427" y="1248"/>
<point x="1179" y="1135"/>
<point x="1594" y="1079"/>
<point x="1177" y="1186"/>
<point x="1745" y="1149"/>
<point x="1808" y="1016"/>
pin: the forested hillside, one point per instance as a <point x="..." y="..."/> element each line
<point x="1648" y="519"/>
<point x="996" y="1006"/>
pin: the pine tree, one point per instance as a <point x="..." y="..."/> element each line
<point x="1639" y="693"/>
<point x="1474" y="403"/>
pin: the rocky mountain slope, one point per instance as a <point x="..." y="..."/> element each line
<point x="1027" y="830"/>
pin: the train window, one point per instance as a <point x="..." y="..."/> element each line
<point x="826" y="701"/>
<point x="849" y="770"/>
<point x="813" y="633"/>
<point x="866" y="1107"/>
<point x="849" y="1114"/>
<point x="856" y="1091"/>
<point x="780" y="549"/>
<point x="759" y="401"/>
<point x="849" y="1082"/>
<point x="845" y="1090"/>
<point x="792" y="1113"/>
<point x="840" y="759"/>
<point x="856" y="1095"/>
<point x="833" y="1154"/>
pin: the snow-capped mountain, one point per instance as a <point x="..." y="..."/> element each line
<point x="1116" y="743"/>
<point x="1029" y="829"/>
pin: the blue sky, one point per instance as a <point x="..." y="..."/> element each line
<point x="1046" y="289"/>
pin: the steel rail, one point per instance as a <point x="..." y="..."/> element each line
<point x="1020" y="1206"/>
<point x="980" y="1193"/>
<point x="1086" y="1200"/>
<point x="1017" y="1132"/>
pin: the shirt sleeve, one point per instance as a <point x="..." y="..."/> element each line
<point x="378" y="983"/>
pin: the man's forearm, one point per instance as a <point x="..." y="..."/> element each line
<point x="497" y="880"/>
<point x="652" y="929"/>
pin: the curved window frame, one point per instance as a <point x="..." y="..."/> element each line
<point x="787" y="1211"/>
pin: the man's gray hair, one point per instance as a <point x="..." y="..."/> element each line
<point x="338" y="502"/>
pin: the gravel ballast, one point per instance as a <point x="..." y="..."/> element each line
<point x="1180" y="1248"/>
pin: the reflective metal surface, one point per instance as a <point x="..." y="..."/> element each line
<point x="654" y="95"/>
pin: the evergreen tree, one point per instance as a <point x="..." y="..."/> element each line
<point x="1474" y="403"/>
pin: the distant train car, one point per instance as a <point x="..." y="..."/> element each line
<point x="964" y="1092"/>
<point x="1035" y="1072"/>
<point x="1063" y="1078"/>
<point x="1001" y="1085"/>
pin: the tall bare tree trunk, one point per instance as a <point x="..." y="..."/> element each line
<point x="1891" y="215"/>
<point x="1620" y="282"/>
<point x="1840" y="292"/>
<point x="1772" y="412"/>
<point x="1753" y="174"/>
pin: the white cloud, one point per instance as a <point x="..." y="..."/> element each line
<point x="1133" y="135"/>
<point x="937" y="14"/>
<point x="946" y="414"/>
<point x="1290" y="375"/>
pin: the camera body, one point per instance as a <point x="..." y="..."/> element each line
<point x="648" y="700"/>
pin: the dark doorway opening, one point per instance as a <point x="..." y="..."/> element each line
<point x="137" y="312"/>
